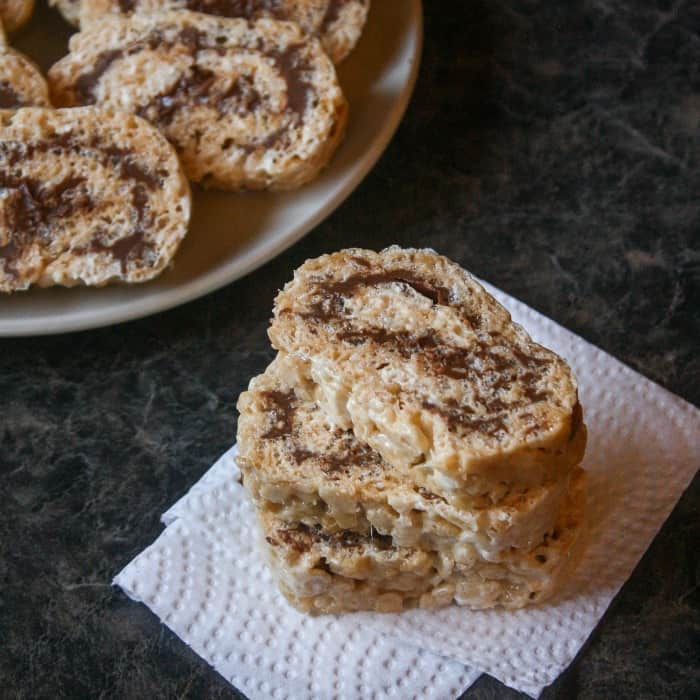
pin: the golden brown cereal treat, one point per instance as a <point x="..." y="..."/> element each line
<point x="86" y="197"/>
<point x="406" y="349"/>
<point x="341" y="572"/>
<point x="21" y="81"/>
<point x="337" y="23"/>
<point x="301" y="468"/>
<point x="247" y="105"/>
<point x="15" y="13"/>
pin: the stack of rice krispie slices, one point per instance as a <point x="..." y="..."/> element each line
<point x="410" y="445"/>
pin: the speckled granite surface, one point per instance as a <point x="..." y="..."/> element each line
<point x="553" y="149"/>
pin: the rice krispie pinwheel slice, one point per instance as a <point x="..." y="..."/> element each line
<point x="410" y="352"/>
<point x="337" y="23"/>
<point x="88" y="197"/>
<point x="298" y="465"/>
<point x="21" y="81"/>
<point x="246" y="104"/>
<point x="320" y="572"/>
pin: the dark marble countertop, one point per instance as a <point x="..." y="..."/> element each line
<point x="553" y="149"/>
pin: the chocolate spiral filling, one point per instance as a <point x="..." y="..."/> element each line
<point x="344" y="454"/>
<point x="9" y="97"/>
<point x="281" y="406"/>
<point x="485" y="363"/>
<point x="301" y="538"/>
<point x="329" y="295"/>
<point x="87" y="82"/>
<point x="32" y="207"/>
<point x="197" y="87"/>
<point x="248" y="9"/>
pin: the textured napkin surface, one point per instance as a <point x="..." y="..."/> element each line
<point x="204" y="579"/>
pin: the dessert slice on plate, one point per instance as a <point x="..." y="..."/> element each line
<point x="87" y="196"/>
<point x="337" y="23"/>
<point x="246" y="104"/>
<point x="21" y="81"/>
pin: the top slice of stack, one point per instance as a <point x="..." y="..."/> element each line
<point x="426" y="367"/>
<point x="401" y="366"/>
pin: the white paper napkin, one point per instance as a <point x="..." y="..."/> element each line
<point x="203" y="578"/>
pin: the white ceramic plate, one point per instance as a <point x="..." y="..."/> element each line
<point x="232" y="234"/>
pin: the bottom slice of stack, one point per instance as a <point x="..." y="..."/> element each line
<point x="345" y="530"/>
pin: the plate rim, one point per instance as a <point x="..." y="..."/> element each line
<point x="249" y="261"/>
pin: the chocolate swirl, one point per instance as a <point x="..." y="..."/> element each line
<point x="201" y="86"/>
<point x="301" y="538"/>
<point x="86" y="83"/>
<point x="248" y="9"/>
<point x="225" y="93"/>
<point x="344" y="454"/>
<point x="322" y="19"/>
<point x="281" y="406"/>
<point x="32" y="207"/>
<point x="486" y="363"/>
<point x="328" y="304"/>
<point x="9" y="97"/>
<point x="283" y="10"/>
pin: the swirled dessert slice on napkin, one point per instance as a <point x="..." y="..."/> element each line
<point x="321" y="572"/>
<point x="406" y="349"/>
<point x="246" y="104"/>
<point x="301" y="468"/>
<point x="337" y="23"/>
<point x="87" y="196"/>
